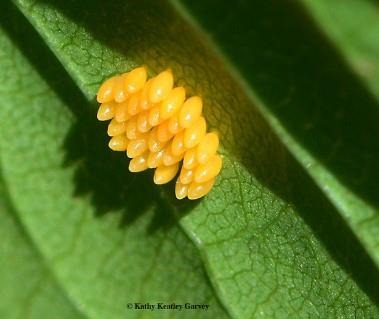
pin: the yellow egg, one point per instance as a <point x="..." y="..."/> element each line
<point x="144" y="102"/>
<point x="163" y="174"/>
<point x="177" y="144"/>
<point x="190" y="111"/>
<point x="172" y="103"/>
<point x="133" y="104"/>
<point x="189" y="161"/>
<point x="161" y="86"/>
<point x="154" y="144"/>
<point x="106" y="91"/>
<point x="116" y="128"/>
<point x="132" y="131"/>
<point x="155" y="159"/>
<point x="138" y="146"/>
<point x="169" y="158"/>
<point x="195" y="133"/>
<point x="121" y="112"/>
<point x="135" y="80"/>
<point x="106" y="111"/>
<point x="196" y="190"/>
<point x="154" y="116"/>
<point x="186" y="176"/>
<point x="163" y="133"/>
<point x="139" y="163"/>
<point x="118" y="143"/>
<point x="207" y="147"/>
<point x="120" y="94"/>
<point x="173" y="124"/>
<point x="181" y="190"/>
<point x="209" y="170"/>
<point x="143" y="124"/>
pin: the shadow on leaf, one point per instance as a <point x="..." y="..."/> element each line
<point x="304" y="83"/>
<point x="100" y="173"/>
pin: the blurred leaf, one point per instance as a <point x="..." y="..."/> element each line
<point x="354" y="27"/>
<point x="31" y="290"/>
<point x="273" y="245"/>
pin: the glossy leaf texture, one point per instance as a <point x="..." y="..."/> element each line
<point x="273" y="236"/>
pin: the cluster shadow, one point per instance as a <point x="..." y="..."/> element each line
<point x="99" y="173"/>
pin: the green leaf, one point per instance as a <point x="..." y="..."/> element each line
<point x="31" y="290"/>
<point x="319" y="109"/>
<point x="272" y="243"/>
<point x="134" y="253"/>
<point x="354" y="27"/>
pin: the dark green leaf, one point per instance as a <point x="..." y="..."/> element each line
<point x="313" y="101"/>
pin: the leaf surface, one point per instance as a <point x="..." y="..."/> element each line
<point x="318" y="107"/>
<point x="271" y="241"/>
<point x="133" y="254"/>
<point x="27" y="281"/>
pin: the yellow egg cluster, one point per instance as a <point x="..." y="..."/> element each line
<point x="158" y="128"/>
